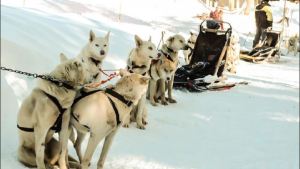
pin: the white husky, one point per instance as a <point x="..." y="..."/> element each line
<point x="48" y="105"/>
<point x="139" y="62"/>
<point x="102" y="113"/>
<point x="93" y="54"/>
<point x="191" y="43"/>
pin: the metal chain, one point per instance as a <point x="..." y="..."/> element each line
<point x="35" y="75"/>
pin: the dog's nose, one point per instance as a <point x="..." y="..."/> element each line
<point x="102" y="52"/>
<point x="186" y="47"/>
<point x="168" y="78"/>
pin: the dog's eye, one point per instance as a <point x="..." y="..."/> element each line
<point x="165" y="70"/>
<point x="181" y="41"/>
<point x="105" y="45"/>
<point x="97" y="45"/>
<point x="150" y="48"/>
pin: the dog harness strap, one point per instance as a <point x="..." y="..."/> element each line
<point x="58" y="122"/>
<point x="118" y="96"/>
<point x="84" y="94"/>
<point x="25" y="129"/>
<point x="115" y="110"/>
<point x="57" y="125"/>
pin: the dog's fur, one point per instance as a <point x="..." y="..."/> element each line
<point x="191" y="43"/>
<point x="162" y="69"/>
<point x="93" y="54"/>
<point x="139" y="61"/>
<point x="175" y="43"/>
<point x="233" y="53"/>
<point x="292" y="44"/>
<point x="40" y="113"/>
<point x="97" y="112"/>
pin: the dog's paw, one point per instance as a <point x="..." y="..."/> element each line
<point x="172" y="100"/>
<point x="144" y="122"/>
<point x="164" y="102"/>
<point x="153" y="104"/>
<point x="156" y="100"/>
<point x="125" y="125"/>
<point x="142" y="127"/>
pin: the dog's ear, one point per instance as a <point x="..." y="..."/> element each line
<point x="62" y="57"/>
<point x="123" y="72"/>
<point x="107" y="36"/>
<point x="138" y="41"/>
<point x="171" y="39"/>
<point x="149" y="40"/>
<point x="92" y="36"/>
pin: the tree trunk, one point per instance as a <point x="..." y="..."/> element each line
<point x="231" y="5"/>
<point x="248" y="6"/>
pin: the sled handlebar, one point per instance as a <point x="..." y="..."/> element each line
<point x="228" y="30"/>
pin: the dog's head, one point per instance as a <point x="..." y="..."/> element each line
<point x="177" y="42"/>
<point x="140" y="61"/>
<point x="98" y="47"/>
<point x="166" y="68"/>
<point x="145" y="49"/>
<point x="192" y="39"/>
<point x="72" y="70"/>
<point x="132" y="85"/>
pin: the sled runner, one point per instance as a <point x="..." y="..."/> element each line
<point x="208" y="58"/>
<point x="267" y="51"/>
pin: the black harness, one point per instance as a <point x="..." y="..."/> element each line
<point x="168" y="56"/>
<point x="57" y="125"/>
<point x="108" y="91"/>
<point x="136" y="67"/>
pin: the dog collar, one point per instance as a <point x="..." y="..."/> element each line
<point x="167" y="55"/>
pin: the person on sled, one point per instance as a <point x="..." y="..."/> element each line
<point x="263" y="20"/>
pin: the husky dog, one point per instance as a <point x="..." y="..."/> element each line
<point x="161" y="69"/>
<point x="191" y="43"/>
<point x="170" y="51"/>
<point x="93" y="54"/>
<point x="102" y="113"/>
<point x="233" y="53"/>
<point x="48" y="105"/>
<point x="292" y="44"/>
<point x="139" y="62"/>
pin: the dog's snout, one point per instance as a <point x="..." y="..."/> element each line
<point x="102" y="52"/>
<point x="168" y="78"/>
<point x="186" y="47"/>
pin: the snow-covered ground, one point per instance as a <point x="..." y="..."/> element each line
<point x="248" y="127"/>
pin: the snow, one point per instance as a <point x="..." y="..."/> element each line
<point x="249" y="126"/>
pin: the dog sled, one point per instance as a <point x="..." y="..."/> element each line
<point x="207" y="65"/>
<point x="268" y="50"/>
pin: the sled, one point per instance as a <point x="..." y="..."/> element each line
<point x="208" y="58"/>
<point x="267" y="51"/>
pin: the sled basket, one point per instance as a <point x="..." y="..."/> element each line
<point x="208" y="58"/>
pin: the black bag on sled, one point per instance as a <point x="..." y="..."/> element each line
<point x="210" y="47"/>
